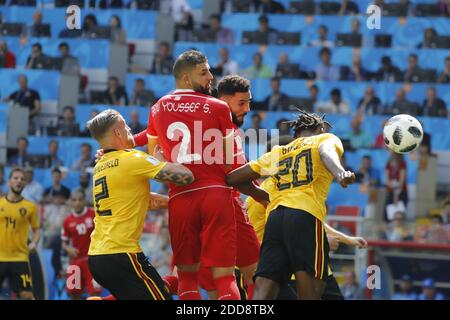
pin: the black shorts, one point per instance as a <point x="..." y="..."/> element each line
<point x="18" y="275"/>
<point x="128" y="276"/>
<point x="288" y="290"/>
<point x="294" y="240"/>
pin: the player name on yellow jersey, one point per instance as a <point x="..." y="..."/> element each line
<point x="121" y="194"/>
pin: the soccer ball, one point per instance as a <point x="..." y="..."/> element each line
<point x="402" y="133"/>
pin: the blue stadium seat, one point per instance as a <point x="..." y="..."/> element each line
<point x="139" y="24"/>
<point x="350" y="196"/>
<point x="159" y="84"/>
<point x="44" y="81"/>
<point x="3" y="117"/>
<point x="83" y="111"/>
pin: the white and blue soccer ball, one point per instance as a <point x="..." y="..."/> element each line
<point x="403" y="133"/>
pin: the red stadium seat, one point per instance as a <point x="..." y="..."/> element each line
<point x="348" y="211"/>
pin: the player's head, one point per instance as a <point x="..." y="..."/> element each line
<point x="17" y="181"/>
<point x="191" y="71"/>
<point x="235" y="91"/>
<point x="110" y="130"/>
<point x="309" y="124"/>
<point x="78" y="201"/>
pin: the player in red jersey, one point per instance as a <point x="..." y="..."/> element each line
<point x="76" y="237"/>
<point x="194" y="128"/>
<point x="235" y="91"/>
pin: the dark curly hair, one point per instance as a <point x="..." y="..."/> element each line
<point x="307" y="121"/>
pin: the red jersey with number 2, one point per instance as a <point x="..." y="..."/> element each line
<point x="190" y="127"/>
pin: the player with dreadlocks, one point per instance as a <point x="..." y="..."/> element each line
<point x="294" y="239"/>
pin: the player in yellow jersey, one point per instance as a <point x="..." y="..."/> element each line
<point x="294" y="240"/>
<point x="258" y="214"/>
<point x="17" y="216"/>
<point x="121" y="196"/>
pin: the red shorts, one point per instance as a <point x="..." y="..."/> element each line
<point x="247" y="242"/>
<point x="202" y="228"/>
<point x="79" y="278"/>
<point x="247" y="246"/>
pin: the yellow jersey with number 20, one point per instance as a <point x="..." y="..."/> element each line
<point x="300" y="177"/>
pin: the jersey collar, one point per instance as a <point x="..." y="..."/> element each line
<point x="81" y="214"/>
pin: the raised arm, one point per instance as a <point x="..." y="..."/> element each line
<point x="331" y="159"/>
<point x="242" y="178"/>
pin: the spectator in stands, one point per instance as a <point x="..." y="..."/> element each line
<point x="3" y="182"/>
<point x="370" y="104"/>
<point x="351" y="289"/>
<point x="258" y="69"/>
<point x="85" y="186"/>
<point x="115" y="94"/>
<point x="413" y="73"/>
<point x="348" y="8"/>
<point x="37" y="28"/>
<point x="57" y="188"/>
<point x="335" y="105"/>
<point x="134" y="124"/>
<point x="52" y="160"/>
<point x="444" y="7"/>
<point x="223" y="35"/>
<point x="85" y="132"/>
<point x="27" y="97"/>
<point x="67" y="126"/>
<point x="444" y="77"/>
<point x="54" y="214"/>
<point x="379" y="140"/>
<point x="358" y="137"/>
<point x="277" y="101"/>
<point x="86" y="160"/>
<point x="429" y="39"/>
<point x="314" y="96"/>
<point x="33" y="190"/>
<point x="284" y="68"/>
<point x="163" y="61"/>
<point x="36" y="59"/>
<point x="437" y="232"/>
<point x="107" y="4"/>
<point x="398" y="230"/>
<point x="178" y="8"/>
<point x="322" y="42"/>
<point x="118" y="34"/>
<point x="325" y="70"/>
<point x="140" y="95"/>
<point x="269" y="6"/>
<point x="429" y="291"/>
<point x="433" y="106"/>
<point x="357" y="72"/>
<point x="406" y="291"/>
<point x="266" y="29"/>
<point x="22" y="158"/>
<point x="144" y="4"/>
<point x="396" y="185"/>
<point x="70" y="64"/>
<point x="7" y="58"/>
<point x="256" y="121"/>
<point x="89" y="25"/>
<point x="226" y="66"/>
<point x="283" y="127"/>
<point x="401" y="105"/>
<point x="185" y="26"/>
<point x="388" y="72"/>
<point x="367" y="174"/>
